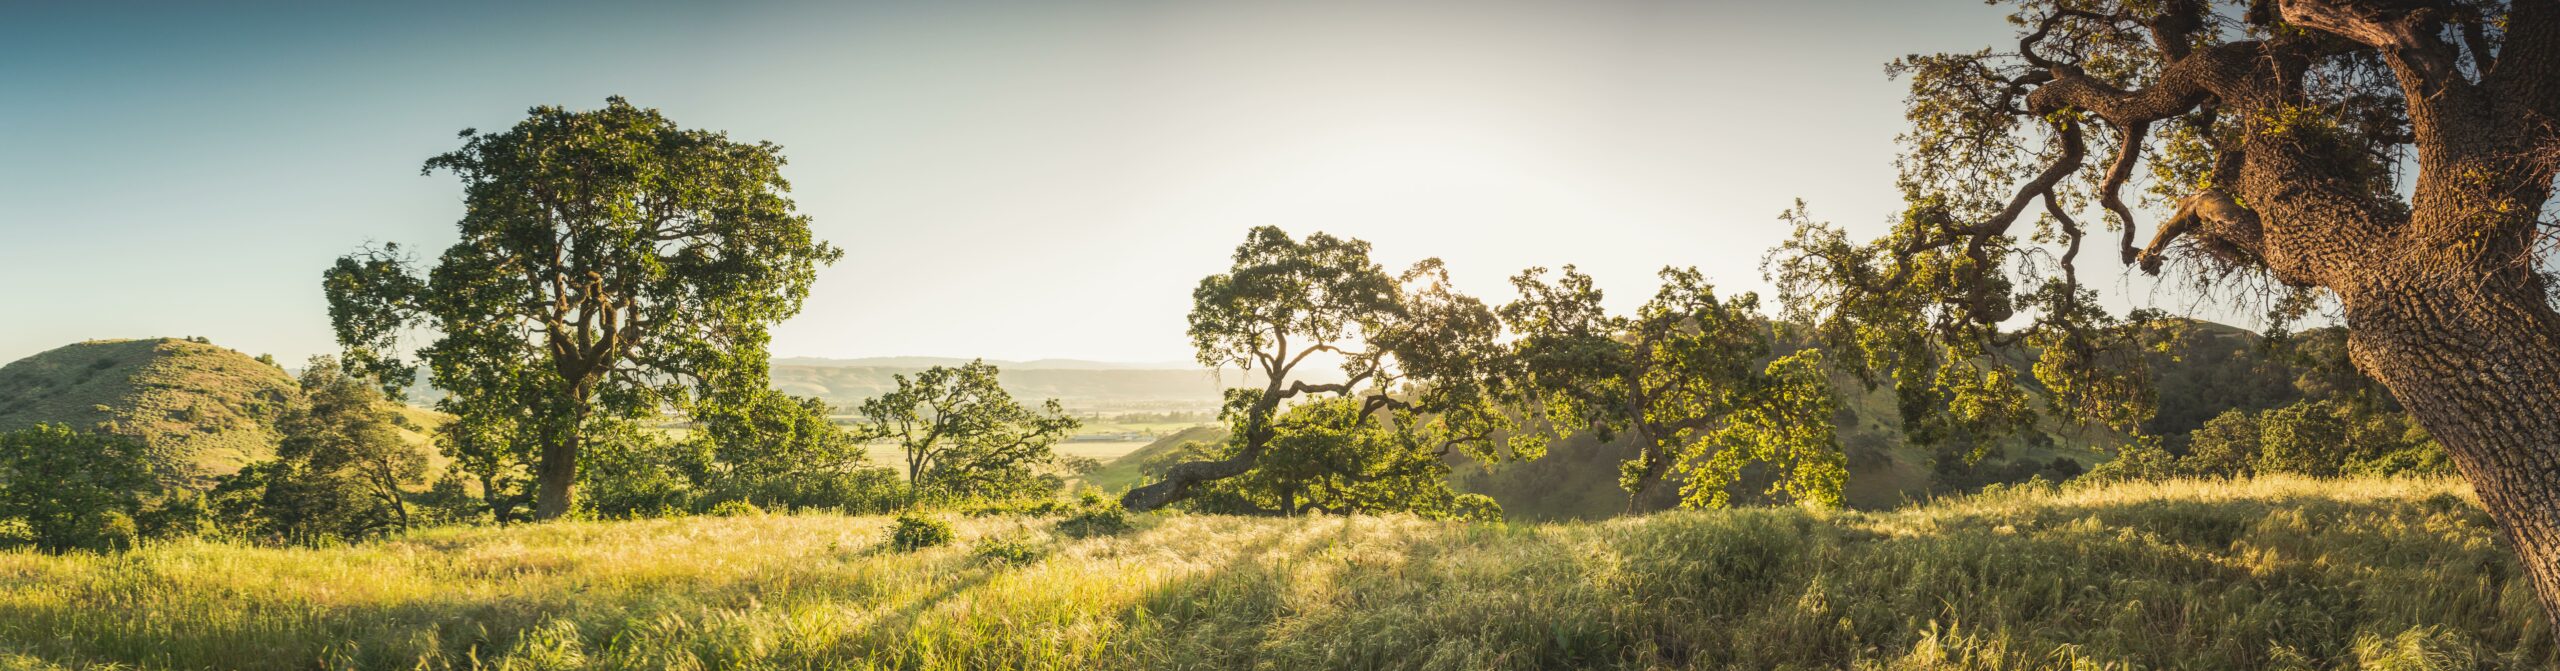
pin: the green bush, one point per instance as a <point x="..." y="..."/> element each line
<point x="1095" y="516"/>
<point x="114" y="532"/>
<point x="177" y="514"/>
<point x="1011" y="550"/>
<point x="736" y="508"/>
<point x="916" y="532"/>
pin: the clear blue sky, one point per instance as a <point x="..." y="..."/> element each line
<point x="1010" y="180"/>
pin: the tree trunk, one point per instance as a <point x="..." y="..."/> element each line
<point x="2479" y="367"/>
<point x="557" y="473"/>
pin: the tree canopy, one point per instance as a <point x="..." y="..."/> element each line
<point x="2390" y="161"/>
<point x="1689" y="374"/>
<point x="1411" y="353"/>
<point x="962" y="433"/>
<point x="1424" y="374"/>
<point x="610" y="262"/>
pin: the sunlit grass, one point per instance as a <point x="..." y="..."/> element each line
<point x="2279" y="573"/>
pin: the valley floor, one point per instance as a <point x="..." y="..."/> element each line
<point x="2277" y="574"/>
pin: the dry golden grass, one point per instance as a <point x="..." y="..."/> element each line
<point x="2277" y="574"/>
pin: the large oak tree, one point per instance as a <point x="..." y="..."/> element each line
<point x="610" y="262"/>
<point x="2391" y="158"/>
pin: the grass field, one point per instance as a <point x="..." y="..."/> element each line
<point x="2272" y="574"/>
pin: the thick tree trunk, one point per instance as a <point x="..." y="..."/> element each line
<point x="556" y="474"/>
<point x="2479" y="367"/>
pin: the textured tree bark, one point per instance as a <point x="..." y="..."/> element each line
<point x="2480" y="369"/>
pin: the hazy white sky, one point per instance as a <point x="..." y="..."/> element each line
<point x="1010" y="180"/>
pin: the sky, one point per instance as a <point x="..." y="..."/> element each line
<point x="1015" y="180"/>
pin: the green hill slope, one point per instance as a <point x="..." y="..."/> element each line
<point x="202" y="410"/>
<point x="1128" y="470"/>
<point x="2269" y="574"/>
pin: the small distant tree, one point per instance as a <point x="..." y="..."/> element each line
<point x="962" y="432"/>
<point x="612" y="265"/>
<point x="72" y="489"/>
<point x="1690" y="375"/>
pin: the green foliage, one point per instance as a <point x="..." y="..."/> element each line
<point x="965" y="437"/>
<point x="630" y="472"/>
<point x="780" y="451"/>
<point x="1093" y="516"/>
<point x="341" y="472"/>
<point x="611" y="265"/>
<point x="1689" y="375"/>
<point x="1421" y="379"/>
<point x="72" y="489"/>
<point x="2321" y="438"/>
<point x="1015" y="550"/>
<point x="175" y="513"/>
<point x="734" y="508"/>
<point x="771" y="452"/>
<point x="1325" y="455"/>
<point x="489" y="449"/>
<point x="916" y="531"/>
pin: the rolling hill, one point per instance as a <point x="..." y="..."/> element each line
<point x="201" y="410"/>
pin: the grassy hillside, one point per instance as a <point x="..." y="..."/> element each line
<point x="2270" y="574"/>
<point x="1128" y="470"/>
<point x="203" y="410"/>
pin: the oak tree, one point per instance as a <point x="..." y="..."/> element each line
<point x="1691" y="376"/>
<point x="611" y="265"/>
<point x="962" y="433"/>
<point x="2393" y="159"/>
<point x="1415" y="376"/>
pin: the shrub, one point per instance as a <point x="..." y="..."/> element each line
<point x="916" y="532"/>
<point x="736" y="508"/>
<point x="113" y="531"/>
<point x="1095" y="516"/>
<point x="1014" y="550"/>
<point x="177" y="514"/>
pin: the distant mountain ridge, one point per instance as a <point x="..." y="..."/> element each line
<point x="922" y="362"/>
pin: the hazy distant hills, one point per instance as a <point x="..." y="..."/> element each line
<point x="922" y="362"/>
<point x="1084" y="386"/>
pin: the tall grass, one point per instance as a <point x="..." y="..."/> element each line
<point x="2274" y="574"/>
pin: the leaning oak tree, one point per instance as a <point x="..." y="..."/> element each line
<point x="610" y="262"/>
<point x="1419" y="376"/>
<point x="2393" y="156"/>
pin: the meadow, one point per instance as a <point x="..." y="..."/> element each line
<point x="2275" y="573"/>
